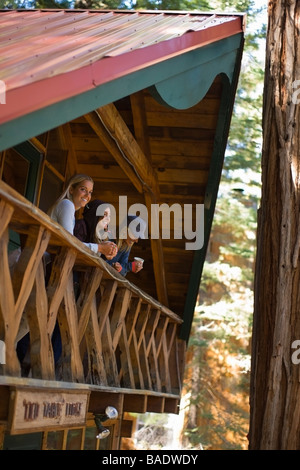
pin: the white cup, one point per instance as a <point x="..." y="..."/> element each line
<point x="139" y="260"/>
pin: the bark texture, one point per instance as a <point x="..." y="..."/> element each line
<point x="275" y="380"/>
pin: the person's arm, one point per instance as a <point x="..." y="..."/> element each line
<point x="64" y="214"/>
<point x="122" y="260"/>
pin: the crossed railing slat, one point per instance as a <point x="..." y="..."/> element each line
<point x="112" y="334"/>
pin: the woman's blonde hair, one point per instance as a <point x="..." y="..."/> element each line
<point x="122" y="245"/>
<point x="72" y="183"/>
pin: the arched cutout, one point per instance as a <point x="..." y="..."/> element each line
<point x="186" y="89"/>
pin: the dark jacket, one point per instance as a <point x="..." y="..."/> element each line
<point x="122" y="258"/>
<point x="85" y="228"/>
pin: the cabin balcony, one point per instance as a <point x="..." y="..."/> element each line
<point x="115" y="337"/>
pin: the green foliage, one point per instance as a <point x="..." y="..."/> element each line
<point x="172" y="5"/>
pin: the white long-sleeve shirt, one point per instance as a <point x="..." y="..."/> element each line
<point x="64" y="214"/>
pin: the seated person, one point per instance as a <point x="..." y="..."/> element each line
<point x="130" y="234"/>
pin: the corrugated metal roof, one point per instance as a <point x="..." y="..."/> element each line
<point x="40" y="44"/>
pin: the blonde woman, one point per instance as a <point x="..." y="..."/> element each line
<point x="76" y="196"/>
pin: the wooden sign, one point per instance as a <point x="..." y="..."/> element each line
<point x="40" y="410"/>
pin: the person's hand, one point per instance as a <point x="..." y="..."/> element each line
<point x="117" y="266"/>
<point x="108" y="249"/>
<point x="138" y="265"/>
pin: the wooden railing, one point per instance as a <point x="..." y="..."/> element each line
<point x="112" y="333"/>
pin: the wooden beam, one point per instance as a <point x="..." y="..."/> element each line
<point x="96" y="124"/>
<point x="65" y="135"/>
<point x="140" y="122"/>
<point x="118" y="129"/>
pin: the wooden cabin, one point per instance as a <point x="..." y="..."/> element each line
<point x="141" y="101"/>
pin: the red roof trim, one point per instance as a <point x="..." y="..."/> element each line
<point x="40" y="94"/>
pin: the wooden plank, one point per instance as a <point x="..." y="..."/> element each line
<point x="140" y="347"/>
<point x="120" y="309"/>
<point x="107" y="173"/>
<point x="94" y="346"/>
<point x="109" y="356"/>
<point x="131" y="319"/>
<point x="64" y="368"/>
<point x="172" y="151"/>
<point x="96" y="123"/>
<point x="140" y="122"/>
<point x="162" y="162"/>
<point x="7" y="310"/>
<point x="60" y="273"/>
<point x="25" y="269"/>
<point x="144" y="363"/>
<point x="107" y="298"/>
<point x="142" y="322"/>
<point x="136" y="363"/>
<point x="6" y="212"/>
<point x="161" y="332"/>
<point x="151" y="352"/>
<point x="41" y="355"/>
<point x="116" y="429"/>
<point x="151" y="328"/>
<point x="182" y="120"/>
<point x="183" y="176"/>
<point x="72" y="319"/>
<point x="125" y="359"/>
<point x="38" y="145"/>
<point x="66" y="139"/>
<point x="132" y="316"/>
<point x="117" y="127"/>
<point x="88" y="288"/>
<point x="172" y="356"/>
<point x="163" y="364"/>
<point x="99" y="400"/>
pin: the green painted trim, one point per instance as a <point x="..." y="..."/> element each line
<point x="31" y="125"/>
<point x="189" y="87"/>
<point x="216" y="166"/>
<point x="33" y="156"/>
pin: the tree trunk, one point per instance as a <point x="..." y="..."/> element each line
<point x="275" y="375"/>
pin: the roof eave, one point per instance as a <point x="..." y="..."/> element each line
<point x="40" y="94"/>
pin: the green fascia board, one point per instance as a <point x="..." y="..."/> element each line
<point x="210" y="60"/>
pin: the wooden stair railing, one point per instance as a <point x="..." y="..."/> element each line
<point x="113" y="334"/>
